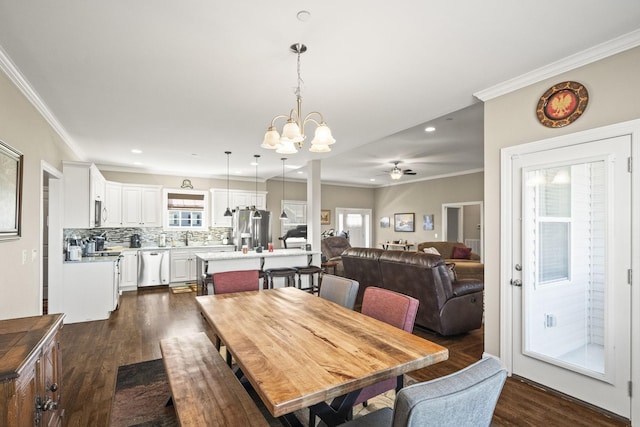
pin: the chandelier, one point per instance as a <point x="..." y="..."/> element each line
<point x="293" y="135"/>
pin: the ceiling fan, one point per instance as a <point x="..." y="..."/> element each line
<point x="396" y="172"/>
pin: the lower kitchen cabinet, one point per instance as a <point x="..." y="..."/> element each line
<point x="129" y="270"/>
<point x="183" y="265"/>
<point x="30" y="372"/>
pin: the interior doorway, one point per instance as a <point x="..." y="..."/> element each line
<point x="464" y="222"/>
<point x="51" y="238"/>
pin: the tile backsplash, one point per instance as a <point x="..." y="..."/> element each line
<point x="150" y="236"/>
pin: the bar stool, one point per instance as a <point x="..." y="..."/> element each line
<point x="262" y="275"/>
<point x="309" y="270"/>
<point x="288" y="273"/>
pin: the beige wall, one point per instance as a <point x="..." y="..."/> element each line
<point x="23" y="128"/>
<point x="423" y="198"/>
<point x="614" y="91"/>
<point x="333" y="196"/>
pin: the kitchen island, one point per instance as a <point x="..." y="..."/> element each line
<point x="214" y="262"/>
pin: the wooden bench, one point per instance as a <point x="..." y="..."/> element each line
<point x="204" y="389"/>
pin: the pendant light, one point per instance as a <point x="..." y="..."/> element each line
<point x="228" y="211"/>
<point x="256" y="212"/>
<point x="283" y="215"/>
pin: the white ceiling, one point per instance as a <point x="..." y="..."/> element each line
<point x="186" y="80"/>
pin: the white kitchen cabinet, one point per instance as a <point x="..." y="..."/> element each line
<point x="129" y="270"/>
<point x="112" y="205"/>
<point x="237" y="198"/>
<point x="183" y="265"/>
<point x="141" y="206"/>
<point x="88" y="290"/>
<point x="83" y="186"/>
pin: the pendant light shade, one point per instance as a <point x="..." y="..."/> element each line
<point x="283" y="215"/>
<point x="256" y="212"/>
<point x="228" y="211"/>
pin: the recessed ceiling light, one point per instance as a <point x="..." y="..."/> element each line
<point x="136" y="151"/>
<point x="137" y="163"/>
<point x="303" y="15"/>
<point x="429" y="129"/>
<point x="372" y="179"/>
<point x="300" y="172"/>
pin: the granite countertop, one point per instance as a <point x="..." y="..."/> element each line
<point x="210" y="256"/>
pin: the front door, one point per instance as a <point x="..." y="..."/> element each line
<point x="356" y="222"/>
<point x="570" y="268"/>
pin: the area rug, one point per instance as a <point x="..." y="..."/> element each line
<point x="141" y="396"/>
<point x="142" y="393"/>
<point x="181" y="289"/>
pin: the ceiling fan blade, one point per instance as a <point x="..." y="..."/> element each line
<point x="409" y="173"/>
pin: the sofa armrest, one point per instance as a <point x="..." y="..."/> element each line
<point x="466" y="287"/>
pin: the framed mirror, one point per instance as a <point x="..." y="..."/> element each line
<point x="10" y="192"/>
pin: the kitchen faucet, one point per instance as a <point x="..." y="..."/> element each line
<point x="186" y="238"/>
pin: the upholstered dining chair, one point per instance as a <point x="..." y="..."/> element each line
<point x="396" y="309"/>
<point x="234" y="281"/>
<point x="463" y="399"/>
<point x="391" y="307"/>
<point x="338" y="289"/>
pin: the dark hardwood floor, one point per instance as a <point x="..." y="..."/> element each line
<point x="92" y="352"/>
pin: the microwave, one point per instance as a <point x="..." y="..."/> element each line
<point x="98" y="214"/>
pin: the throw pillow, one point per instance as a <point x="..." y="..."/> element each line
<point x="431" y="251"/>
<point x="461" y="252"/>
<point x="451" y="269"/>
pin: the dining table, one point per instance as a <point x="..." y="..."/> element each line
<point x="297" y="350"/>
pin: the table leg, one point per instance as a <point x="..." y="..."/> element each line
<point x="335" y="414"/>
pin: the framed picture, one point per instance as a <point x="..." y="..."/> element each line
<point x="325" y="216"/>
<point x="384" y="222"/>
<point x="10" y="192"/>
<point x="427" y="222"/>
<point x="404" y="221"/>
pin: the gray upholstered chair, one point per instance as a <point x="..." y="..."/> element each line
<point x="340" y="290"/>
<point x="465" y="398"/>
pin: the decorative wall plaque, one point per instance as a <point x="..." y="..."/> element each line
<point x="562" y="104"/>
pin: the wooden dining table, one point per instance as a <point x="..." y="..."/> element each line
<point x="298" y="350"/>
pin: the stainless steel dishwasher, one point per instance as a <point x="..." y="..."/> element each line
<point x="153" y="267"/>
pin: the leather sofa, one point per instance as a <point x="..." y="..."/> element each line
<point x="332" y="248"/>
<point x="465" y="268"/>
<point x="447" y="306"/>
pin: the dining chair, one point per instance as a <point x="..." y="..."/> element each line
<point x="391" y="307"/>
<point x="227" y="282"/>
<point x="235" y="281"/>
<point x="465" y="398"/>
<point x="396" y="309"/>
<point x="338" y="289"/>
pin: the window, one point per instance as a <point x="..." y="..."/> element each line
<point x="296" y="211"/>
<point x="185" y="209"/>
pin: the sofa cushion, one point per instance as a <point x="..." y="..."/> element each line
<point x="431" y="250"/>
<point x="451" y="266"/>
<point x="461" y="253"/>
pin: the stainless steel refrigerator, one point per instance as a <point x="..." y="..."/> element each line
<point x="249" y="231"/>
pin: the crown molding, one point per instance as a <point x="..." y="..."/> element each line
<point x="16" y="77"/>
<point x="587" y="56"/>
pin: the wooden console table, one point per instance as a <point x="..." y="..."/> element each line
<point x="30" y="371"/>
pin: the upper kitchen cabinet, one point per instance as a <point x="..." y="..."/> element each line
<point x="237" y="198"/>
<point x="84" y="193"/>
<point x="141" y="205"/>
<point x="112" y="208"/>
